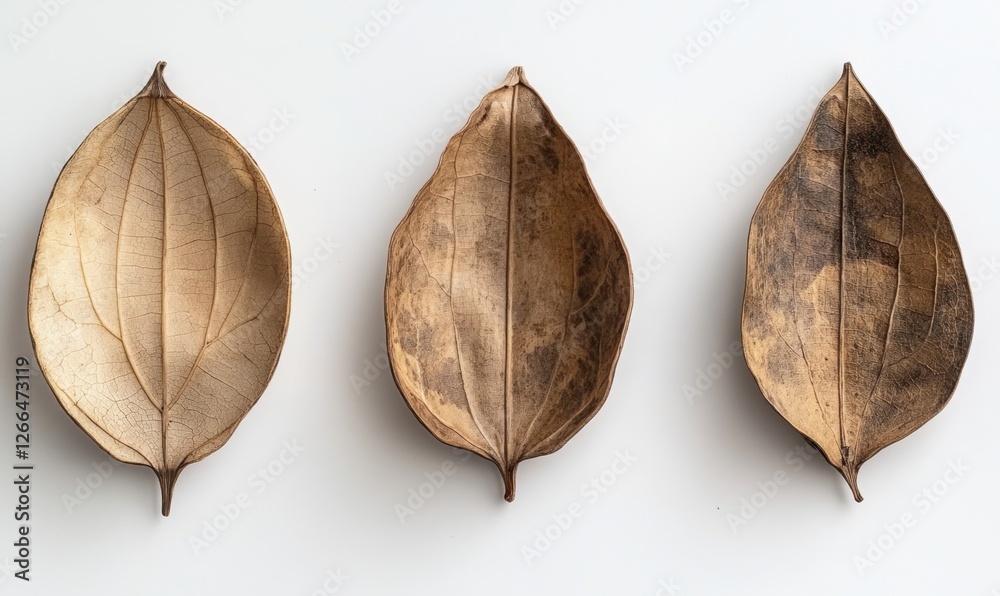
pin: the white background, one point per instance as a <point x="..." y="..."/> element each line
<point x="665" y="525"/>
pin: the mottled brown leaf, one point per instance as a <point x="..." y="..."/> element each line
<point x="508" y="288"/>
<point x="857" y="316"/>
<point x="159" y="293"/>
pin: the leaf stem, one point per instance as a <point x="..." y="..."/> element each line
<point x="850" y="472"/>
<point x="168" y="478"/>
<point x="509" y="473"/>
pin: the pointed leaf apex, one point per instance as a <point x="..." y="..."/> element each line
<point x="514" y="77"/>
<point x="157" y="87"/>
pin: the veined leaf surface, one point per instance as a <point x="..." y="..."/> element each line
<point x="508" y="289"/>
<point x="160" y="288"/>
<point x="857" y="316"/>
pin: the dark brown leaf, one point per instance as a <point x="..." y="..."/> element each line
<point x="857" y="316"/>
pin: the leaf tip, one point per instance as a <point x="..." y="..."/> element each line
<point x="157" y="87"/>
<point x="848" y="72"/>
<point x="515" y="77"/>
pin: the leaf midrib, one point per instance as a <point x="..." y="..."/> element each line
<point x="844" y="449"/>
<point x="508" y="323"/>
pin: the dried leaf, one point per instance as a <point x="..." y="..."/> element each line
<point x="857" y="316"/>
<point x="508" y="288"/>
<point x="160" y="288"/>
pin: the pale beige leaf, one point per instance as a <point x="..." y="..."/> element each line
<point x="160" y="288"/>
